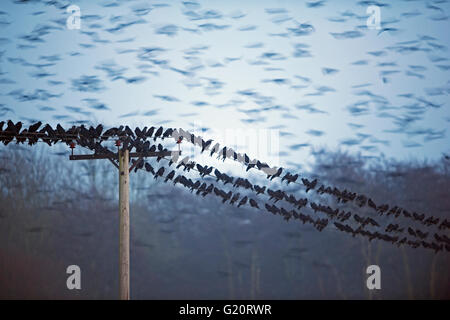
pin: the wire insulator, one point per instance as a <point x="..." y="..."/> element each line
<point x="118" y="143"/>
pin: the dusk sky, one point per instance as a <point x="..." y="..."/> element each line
<point x="312" y="71"/>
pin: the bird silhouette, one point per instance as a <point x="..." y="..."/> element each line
<point x="243" y="201"/>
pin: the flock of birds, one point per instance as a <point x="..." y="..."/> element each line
<point x="117" y="30"/>
<point x="244" y="192"/>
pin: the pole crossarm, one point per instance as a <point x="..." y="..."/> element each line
<point x="116" y="156"/>
<point x="136" y="163"/>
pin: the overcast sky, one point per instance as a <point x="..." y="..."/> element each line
<point x="312" y="71"/>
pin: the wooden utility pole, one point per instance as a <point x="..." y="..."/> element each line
<point x="124" y="225"/>
<point x="123" y="156"/>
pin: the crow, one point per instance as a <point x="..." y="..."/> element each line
<point x="33" y="127"/>
<point x="208" y="190"/>
<point x="235" y="198"/>
<point x="243" y="201"/>
<point x="170" y="176"/>
<point x="129" y="132"/>
<point x="167" y="133"/>
<point x="277" y="174"/>
<point x="421" y="235"/>
<point x="254" y="204"/>
<point x="382" y="208"/>
<point x="270" y="208"/>
<point x="226" y="196"/>
<point x="218" y="174"/>
<point x="140" y="165"/>
<point x="418" y="217"/>
<point x="149" y="168"/>
<point x="411" y="232"/>
<point x="292" y="179"/>
<point x="99" y="130"/>
<point x="139" y="133"/>
<point x="309" y="185"/>
<point x="158" y="133"/>
<point x="259" y="189"/>
<point x="359" y="219"/>
<point x="214" y="149"/>
<point x="149" y="132"/>
<point x="224" y="154"/>
<point x="201" y="188"/>
<point x="205" y="145"/>
<point x="372" y="222"/>
<point x="196" y="185"/>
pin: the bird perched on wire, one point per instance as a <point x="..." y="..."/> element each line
<point x="214" y="149"/>
<point x="129" y="132"/>
<point x="170" y="176"/>
<point x="205" y="144"/>
<point x="150" y="132"/>
<point x="253" y="203"/>
<point x="310" y="185"/>
<point x="159" y="173"/>
<point x="235" y="198"/>
<point x="276" y="174"/>
<point x="149" y="168"/>
<point x="259" y="189"/>
<point x="243" y="201"/>
<point x="158" y="133"/>
<point x="33" y="127"/>
<point x="167" y="133"/>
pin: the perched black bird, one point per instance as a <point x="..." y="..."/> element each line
<point x="259" y="189"/>
<point x="372" y="204"/>
<point x="149" y="168"/>
<point x="159" y="173"/>
<point x="218" y="174"/>
<point x="170" y="176"/>
<point x="277" y="174"/>
<point x="224" y="153"/>
<point x="196" y="185"/>
<point x="139" y="133"/>
<point x="250" y="165"/>
<point x="129" y="132"/>
<point x="214" y="149"/>
<point x="139" y="165"/>
<point x="243" y="201"/>
<point x="32" y="128"/>
<point x="201" y="188"/>
<point x="309" y="185"/>
<point x="98" y="131"/>
<point x="254" y="204"/>
<point x="205" y="144"/>
<point x="208" y="190"/>
<point x="167" y="133"/>
<point x="412" y="232"/>
<point x="234" y="198"/>
<point x="149" y="132"/>
<point x="158" y="133"/>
